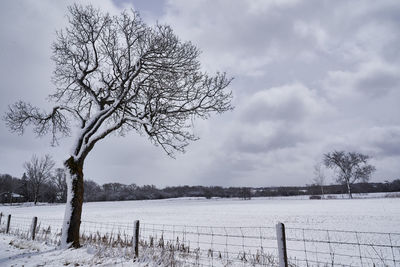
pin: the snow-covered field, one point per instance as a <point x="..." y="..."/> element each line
<point x="370" y="214"/>
<point x="191" y="219"/>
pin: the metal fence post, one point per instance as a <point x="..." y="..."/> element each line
<point x="34" y="223"/>
<point x="8" y="223"/>
<point x="281" y="238"/>
<point x="136" y="238"/>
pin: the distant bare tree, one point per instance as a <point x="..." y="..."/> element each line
<point x="319" y="177"/>
<point x="245" y="193"/>
<point x="6" y="184"/>
<point x="115" y="74"/>
<point x="92" y="191"/>
<point x="38" y="171"/>
<point x="24" y="188"/>
<point x="59" y="181"/>
<point x="351" y="167"/>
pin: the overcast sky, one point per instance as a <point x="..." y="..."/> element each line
<point x="310" y="77"/>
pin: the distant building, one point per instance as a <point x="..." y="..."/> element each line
<point x="10" y="197"/>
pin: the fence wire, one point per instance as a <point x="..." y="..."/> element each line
<point x="187" y="245"/>
<point x="321" y="247"/>
<point x="215" y="245"/>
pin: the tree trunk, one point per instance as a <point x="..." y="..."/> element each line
<point x="73" y="207"/>
<point x="322" y="191"/>
<point x="349" y="190"/>
<point x="36" y="197"/>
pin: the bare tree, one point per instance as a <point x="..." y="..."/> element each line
<point x="319" y="177"/>
<point x="115" y="74"/>
<point x="38" y="171"/>
<point x="351" y="167"/>
<point x="60" y="182"/>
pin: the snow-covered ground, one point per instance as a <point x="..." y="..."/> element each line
<point x="233" y="218"/>
<point x="20" y="252"/>
<point x="369" y="214"/>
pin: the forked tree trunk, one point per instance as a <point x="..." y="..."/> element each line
<point x="73" y="208"/>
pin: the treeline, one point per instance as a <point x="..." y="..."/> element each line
<point x="19" y="190"/>
<point x="14" y="189"/>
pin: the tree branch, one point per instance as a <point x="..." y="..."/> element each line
<point x="21" y="114"/>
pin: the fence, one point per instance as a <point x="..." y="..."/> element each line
<point x="183" y="245"/>
<point x="321" y="247"/>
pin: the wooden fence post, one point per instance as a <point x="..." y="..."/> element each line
<point x="33" y="229"/>
<point x="281" y="238"/>
<point x="8" y="223"/>
<point x="135" y="243"/>
<point x="1" y="215"/>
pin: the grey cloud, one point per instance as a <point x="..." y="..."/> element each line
<point x="247" y="39"/>
<point x="290" y="103"/>
<point x="283" y="137"/>
<point x="379" y="83"/>
<point x="382" y="143"/>
<point x="262" y="36"/>
<point x="386" y="141"/>
<point x="259" y="110"/>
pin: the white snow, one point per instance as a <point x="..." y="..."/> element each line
<point x="21" y="252"/>
<point x="371" y="214"/>
<point x="67" y="210"/>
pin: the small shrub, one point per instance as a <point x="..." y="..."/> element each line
<point x="393" y="195"/>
